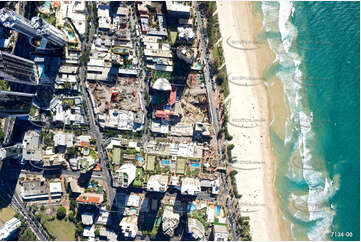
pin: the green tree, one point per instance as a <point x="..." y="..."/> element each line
<point x="79" y="229"/>
<point x="38" y="217"/>
<point x="42" y="208"/>
<point x="105" y="198"/>
<point x="61" y="213"/>
<point x="71" y="217"/>
<point x="27" y="235"/>
<point x="92" y="141"/>
<point x="1" y="135"/>
<point x="73" y="205"/>
<point x="4" y="85"/>
<point x="96" y="232"/>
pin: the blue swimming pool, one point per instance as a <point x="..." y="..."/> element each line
<point x="197" y="66"/>
<point x="195" y="165"/>
<point x="71" y="34"/>
<point x="140" y="159"/>
<point x="41" y="69"/>
<point x="86" y="151"/>
<point x="47" y="5"/>
<point x="192" y="207"/>
<point x="91" y="185"/>
<point x="165" y="162"/>
<point x="218" y="210"/>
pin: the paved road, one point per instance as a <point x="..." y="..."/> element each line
<point x="207" y="77"/>
<point x="18" y="205"/>
<point x="39" y="231"/>
<point x="136" y="41"/>
<point x="94" y="129"/>
<point x="214" y="117"/>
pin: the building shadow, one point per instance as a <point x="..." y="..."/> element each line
<point x="53" y="173"/>
<point x="84" y="178"/>
<point x="9" y="176"/>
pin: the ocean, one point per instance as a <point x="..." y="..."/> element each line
<point x="317" y="62"/>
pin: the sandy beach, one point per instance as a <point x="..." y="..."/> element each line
<point x="249" y="118"/>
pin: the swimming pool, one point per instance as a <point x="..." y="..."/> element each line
<point x="165" y="162"/>
<point x="197" y="66"/>
<point x="41" y="69"/>
<point x="195" y="165"/>
<point x="140" y="159"/>
<point x="86" y="151"/>
<point x="47" y="5"/>
<point x="91" y="185"/>
<point x="71" y="34"/>
<point x="192" y="207"/>
<point x="218" y="210"/>
<point x="119" y="50"/>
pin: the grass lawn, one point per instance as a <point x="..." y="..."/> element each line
<point x="6" y="214"/>
<point x="224" y="86"/>
<point x="140" y="173"/>
<point x="68" y="101"/>
<point x="116" y="155"/>
<point x="216" y="222"/>
<point x="180" y="165"/>
<point x="64" y="231"/>
<point x="93" y="154"/>
<point x="138" y="182"/>
<point x="173" y="36"/>
<point x="150" y="163"/>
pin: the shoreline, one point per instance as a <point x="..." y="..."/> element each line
<point x="238" y="26"/>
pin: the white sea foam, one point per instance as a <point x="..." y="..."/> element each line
<point x="299" y="124"/>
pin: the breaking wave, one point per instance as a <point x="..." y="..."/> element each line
<point x="316" y="215"/>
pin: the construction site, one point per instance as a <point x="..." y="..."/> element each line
<point x="124" y="95"/>
<point x="194" y="100"/>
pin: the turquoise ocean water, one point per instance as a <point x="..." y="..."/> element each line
<point x="317" y="48"/>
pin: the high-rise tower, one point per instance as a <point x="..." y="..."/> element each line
<point x="16" y="69"/>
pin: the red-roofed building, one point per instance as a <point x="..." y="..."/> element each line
<point x="163" y="113"/>
<point x="84" y="144"/>
<point x="172" y="96"/>
<point x="97" y="168"/>
<point x="90" y="198"/>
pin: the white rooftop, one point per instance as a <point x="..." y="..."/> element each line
<point x="87" y="218"/>
<point x="162" y="84"/>
<point x="55" y="187"/>
<point x="133" y="201"/>
<point x="157" y="183"/>
<point x="190" y="186"/>
<point x="9" y="227"/>
<point x="89" y="232"/>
